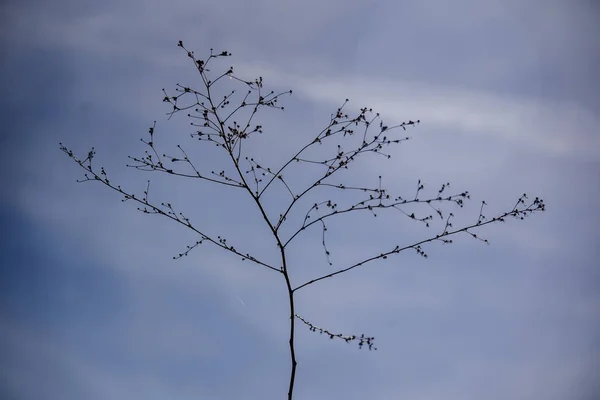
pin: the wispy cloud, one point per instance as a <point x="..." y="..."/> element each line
<point x="551" y="127"/>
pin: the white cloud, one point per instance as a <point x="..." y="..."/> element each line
<point x="551" y="127"/>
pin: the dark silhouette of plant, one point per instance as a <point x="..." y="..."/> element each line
<point x="354" y="136"/>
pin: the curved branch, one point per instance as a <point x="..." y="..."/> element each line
<point x="361" y="206"/>
<point x="155" y="209"/>
<point x="536" y="205"/>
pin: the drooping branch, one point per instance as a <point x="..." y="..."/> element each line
<point x="362" y="339"/>
<point x="164" y="209"/>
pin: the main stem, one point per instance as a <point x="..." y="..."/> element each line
<point x="292" y="325"/>
<point x="284" y="270"/>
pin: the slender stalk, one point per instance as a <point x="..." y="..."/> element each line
<point x="292" y="325"/>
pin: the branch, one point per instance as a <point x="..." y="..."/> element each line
<point x="343" y="158"/>
<point x="154" y="162"/>
<point x="150" y="208"/>
<point x="362" y="339"/>
<point x="536" y="205"/>
<point x="378" y="201"/>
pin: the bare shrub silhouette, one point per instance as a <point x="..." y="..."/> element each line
<point x="213" y="119"/>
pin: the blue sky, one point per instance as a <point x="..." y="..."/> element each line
<point x="93" y="306"/>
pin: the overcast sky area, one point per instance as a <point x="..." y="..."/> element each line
<point x="93" y="306"/>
